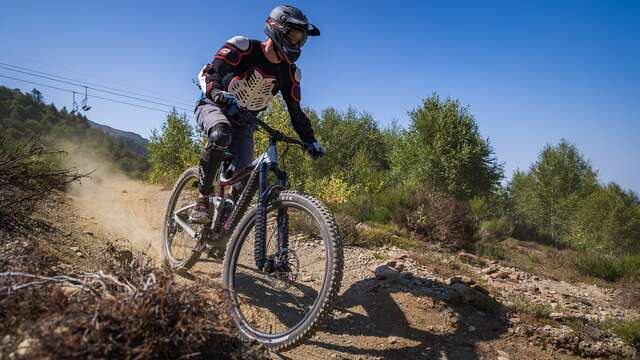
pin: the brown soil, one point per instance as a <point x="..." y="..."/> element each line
<point x="373" y="319"/>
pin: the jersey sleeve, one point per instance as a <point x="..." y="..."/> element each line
<point x="217" y="74"/>
<point x="290" y="89"/>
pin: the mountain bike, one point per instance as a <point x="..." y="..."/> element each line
<point x="283" y="262"/>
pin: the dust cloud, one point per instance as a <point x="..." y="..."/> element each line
<point x="116" y="205"/>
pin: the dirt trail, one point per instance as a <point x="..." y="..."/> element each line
<point x="419" y="316"/>
<point x="120" y="206"/>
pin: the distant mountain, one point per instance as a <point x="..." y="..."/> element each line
<point x="132" y="141"/>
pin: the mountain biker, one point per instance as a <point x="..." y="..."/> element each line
<point x="248" y="74"/>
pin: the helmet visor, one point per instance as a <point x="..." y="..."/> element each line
<point x="296" y="37"/>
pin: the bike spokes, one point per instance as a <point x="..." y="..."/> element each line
<point x="181" y="235"/>
<point x="276" y="297"/>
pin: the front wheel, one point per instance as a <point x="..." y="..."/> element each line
<point x="282" y="304"/>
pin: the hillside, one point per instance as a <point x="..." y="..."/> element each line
<point x="25" y="115"/>
<point x="132" y="141"/>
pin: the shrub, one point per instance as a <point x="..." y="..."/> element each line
<point x="172" y="150"/>
<point x="28" y="177"/>
<point x="492" y="249"/>
<point x="522" y="305"/>
<point x="495" y="229"/>
<point x="607" y="267"/>
<point x="348" y="230"/>
<point x="628" y="331"/>
<point x="442" y="218"/>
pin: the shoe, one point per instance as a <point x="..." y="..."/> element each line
<point x="200" y="213"/>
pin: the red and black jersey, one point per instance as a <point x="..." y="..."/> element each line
<point x="241" y="68"/>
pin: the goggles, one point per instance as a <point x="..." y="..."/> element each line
<point x="295" y="37"/>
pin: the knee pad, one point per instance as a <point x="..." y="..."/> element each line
<point x="220" y="136"/>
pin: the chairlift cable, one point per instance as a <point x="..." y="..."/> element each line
<point x="94" y="96"/>
<point x="181" y="101"/>
<point x="96" y="89"/>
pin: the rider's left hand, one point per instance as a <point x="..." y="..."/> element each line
<point x="316" y="150"/>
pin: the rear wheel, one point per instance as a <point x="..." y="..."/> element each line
<point x="282" y="305"/>
<point x="179" y="237"/>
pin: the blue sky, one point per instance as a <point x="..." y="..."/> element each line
<point x="532" y="72"/>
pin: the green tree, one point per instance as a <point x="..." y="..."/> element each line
<point x="548" y="195"/>
<point x="607" y="222"/>
<point x="172" y="150"/>
<point x="443" y="148"/>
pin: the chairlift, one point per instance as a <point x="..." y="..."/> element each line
<point x="74" y="109"/>
<point x="85" y="107"/>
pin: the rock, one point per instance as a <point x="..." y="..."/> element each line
<point x="399" y="266"/>
<point x="392" y="339"/>
<point x="499" y="275"/>
<point x="74" y="248"/>
<point x="556" y="316"/>
<point x="307" y="278"/>
<point x="89" y="233"/>
<point x="490" y="270"/>
<point x="390" y="263"/>
<point x="385" y="272"/>
<point x="398" y="254"/>
<point x="471" y="328"/>
<point x="467" y="257"/>
<point x="502" y="355"/>
<point x="515" y="320"/>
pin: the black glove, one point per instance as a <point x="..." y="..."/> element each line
<point x="316" y="150"/>
<point x="223" y="99"/>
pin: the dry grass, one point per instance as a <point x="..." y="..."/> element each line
<point x="138" y="311"/>
<point x="27" y="178"/>
<point x="131" y="310"/>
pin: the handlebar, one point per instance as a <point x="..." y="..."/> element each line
<point x="273" y="133"/>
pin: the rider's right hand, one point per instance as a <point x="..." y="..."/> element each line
<point x="224" y="99"/>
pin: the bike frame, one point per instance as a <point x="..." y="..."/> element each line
<point x="256" y="171"/>
<point x="260" y="167"/>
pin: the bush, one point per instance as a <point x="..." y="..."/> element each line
<point x="523" y="306"/>
<point x="492" y="250"/>
<point x="610" y="268"/>
<point x="441" y="218"/>
<point x="348" y="229"/>
<point x="29" y="176"/>
<point x="628" y="331"/>
<point x="172" y="150"/>
<point x="495" y="229"/>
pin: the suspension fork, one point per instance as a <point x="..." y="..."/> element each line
<point x="260" y="227"/>
<point x="266" y="195"/>
<point x="283" y="223"/>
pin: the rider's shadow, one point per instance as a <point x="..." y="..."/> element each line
<point x="481" y="320"/>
